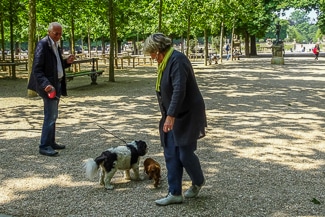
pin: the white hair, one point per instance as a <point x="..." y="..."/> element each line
<point x="53" y="24"/>
<point x="156" y="42"/>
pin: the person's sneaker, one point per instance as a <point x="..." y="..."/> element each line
<point x="169" y="199"/>
<point x="193" y="191"/>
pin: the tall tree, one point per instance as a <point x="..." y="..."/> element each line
<point x="31" y="40"/>
<point x="111" y="16"/>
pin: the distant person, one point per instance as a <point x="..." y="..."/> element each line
<point x="227" y="47"/>
<point x="214" y="58"/>
<point x="227" y="50"/>
<point x="48" y="80"/>
<point x="183" y="118"/>
<point x="316" y="51"/>
<point x="303" y="49"/>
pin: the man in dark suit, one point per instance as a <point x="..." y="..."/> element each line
<point x="48" y="80"/>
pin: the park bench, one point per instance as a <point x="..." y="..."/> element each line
<point x="196" y="55"/>
<point x="12" y="66"/>
<point x="119" y="59"/>
<point x="93" y="72"/>
<point x="134" y="58"/>
<point x="123" y="57"/>
<point x="143" y="59"/>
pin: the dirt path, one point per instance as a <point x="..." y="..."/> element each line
<point x="264" y="153"/>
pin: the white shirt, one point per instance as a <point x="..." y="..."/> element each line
<point x="58" y="60"/>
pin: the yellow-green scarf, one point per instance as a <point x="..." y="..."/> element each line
<point x="162" y="66"/>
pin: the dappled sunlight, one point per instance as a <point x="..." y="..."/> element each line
<point x="264" y="142"/>
<point x="272" y="137"/>
<point x="268" y="116"/>
<point x="19" y="188"/>
<point x="301" y="78"/>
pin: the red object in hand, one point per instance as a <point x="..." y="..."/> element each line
<point x="52" y="93"/>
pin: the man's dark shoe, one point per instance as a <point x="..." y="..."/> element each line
<point x="48" y="151"/>
<point x="57" y="146"/>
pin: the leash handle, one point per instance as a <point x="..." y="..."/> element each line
<point x="112" y="134"/>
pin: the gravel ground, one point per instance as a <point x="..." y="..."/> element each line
<point x="264" y="153"/>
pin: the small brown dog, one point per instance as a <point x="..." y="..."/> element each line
<point x="152" y="169"/>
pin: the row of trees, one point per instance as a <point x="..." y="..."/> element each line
<point x="297" y="27"/>
<point x="113" y="20"/>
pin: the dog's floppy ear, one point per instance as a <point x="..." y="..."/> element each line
<point x="142" y="147"/>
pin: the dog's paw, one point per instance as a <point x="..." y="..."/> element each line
<point x="109" y="187"/>
<point x="127" y="177"/>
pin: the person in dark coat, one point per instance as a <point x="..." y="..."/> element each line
<point x="183" y="119"/>
<point x="48" y="80"/>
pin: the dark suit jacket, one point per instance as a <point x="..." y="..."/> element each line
<point x="45" y="71"/>
<point x="181" y="98"/>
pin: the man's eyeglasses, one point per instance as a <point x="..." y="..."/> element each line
<point x="57" y="33"/>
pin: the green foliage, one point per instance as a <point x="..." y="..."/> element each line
<point x="138" y="18"/>
<point x="288" y="46"/>
<point x="303" y="30"/>
<point x="215" y="43"/>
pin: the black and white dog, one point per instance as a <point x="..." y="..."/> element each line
<point x="122" y="157"/>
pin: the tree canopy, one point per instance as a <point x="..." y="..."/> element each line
<point x="114" y="21"/>
<point x="136" y="19"/>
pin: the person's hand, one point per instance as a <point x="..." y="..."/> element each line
<point x="169" y="124"/>
<point x="48" y="88"/>
<point x="70" y="59"/>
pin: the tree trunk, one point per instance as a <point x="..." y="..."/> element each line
<point x="89" y="44"/>
<point x="206" y="47"/>
<point x="253" y="46"/>
<point x="188" y="35"/>
<point x="72" y="42"/>
<point x="2" y="43"/>
<point x="135" y="47"/>
<point x="2" y="39"/>
<point x="31" y="41"/>
<point x="112" y="39"/>
<point x="11" y="23"/>
<point x="116" y="51"/>
<point x="247" y="53"/>
<point x="103" y="45"/>
<point x="232" y="41"/>
<point x="221" y="41"/>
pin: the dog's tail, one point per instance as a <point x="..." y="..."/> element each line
<point x="91" y="168"/>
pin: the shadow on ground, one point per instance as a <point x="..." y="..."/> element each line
<point x="263" y="154"/>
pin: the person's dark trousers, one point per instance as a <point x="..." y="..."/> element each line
<point x="50" y="116"/>
<point x="176" y="159"/>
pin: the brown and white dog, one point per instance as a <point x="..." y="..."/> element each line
<point x="125" y="158"/>
<point x="152" y="169"/>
